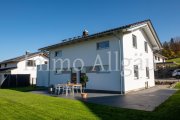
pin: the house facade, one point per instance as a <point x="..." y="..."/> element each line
<point x="158" y="58"/>
<point x="119" y="60"/>
<point x="26" y="64"/>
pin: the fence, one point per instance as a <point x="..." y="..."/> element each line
<point x="165" y="72"/>
<point x="19" y="80"/>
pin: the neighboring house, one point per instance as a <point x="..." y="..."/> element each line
<point x="160" y="62"/>
<point x="132" y="45"/>
<point x="26" y="64"/>
<point x="158" y="58"/>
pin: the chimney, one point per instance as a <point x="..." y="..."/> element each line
<point x="85" y="33"/>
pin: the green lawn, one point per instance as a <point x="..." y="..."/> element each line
<point x="177" y="60"/>
<point x="30" y="88"/>
<point x="15" y="105"/>
<point x="177" y="86"/>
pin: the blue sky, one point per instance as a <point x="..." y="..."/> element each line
<point x="32" y="24"/>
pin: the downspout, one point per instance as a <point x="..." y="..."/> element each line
<point x="49" y="71"/>
<point x="121" y="72"/>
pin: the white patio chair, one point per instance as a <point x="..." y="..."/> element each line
<point x="58" y="88"/>
<point x="67" y="89"/>
<point x="76" y="88"/>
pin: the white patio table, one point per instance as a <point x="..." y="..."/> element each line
<point x="72" y="86"/>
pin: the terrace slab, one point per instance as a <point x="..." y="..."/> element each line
<point x="146" y="100"/>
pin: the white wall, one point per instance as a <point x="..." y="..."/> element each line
<point x="133" y="55"/>
<point x="160" y="60"/>
<point x="109" y="81"/>
<point x="88" y="52"/>
<point x="23" y="69"/>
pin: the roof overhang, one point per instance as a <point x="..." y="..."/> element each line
<point x="144" y="25"/>
<point x="7" y="69"/>
<point x="150" y="33"/>
<point x="24" y="57"/>
<point x="159" y="55"/>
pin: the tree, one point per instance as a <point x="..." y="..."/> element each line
<point x="171" y="49"/>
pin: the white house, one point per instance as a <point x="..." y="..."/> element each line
<point x="158" y="58"/>
<point x="118" y="60"/>
<point x="26" y="64"/>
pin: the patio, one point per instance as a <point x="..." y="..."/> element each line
<point x="146" y="100"/>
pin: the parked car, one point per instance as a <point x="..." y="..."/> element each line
<point x="176" y="73"/>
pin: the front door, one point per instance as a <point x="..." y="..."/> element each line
<point x="73" y="77"/>
<point x="76" y="76"/>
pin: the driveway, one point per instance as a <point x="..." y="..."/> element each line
<point x="146" y="100"/>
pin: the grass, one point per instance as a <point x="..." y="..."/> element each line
<point x="177" y="86"/>
<point x="177" y="60"/>
<point x="30" y="88"/>
<point x="16" y="105"/>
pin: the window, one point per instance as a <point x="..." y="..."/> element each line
<point x="146" y="46"/>
<point x="136" y="72"/>
<point x="5" y="65"/>
<point x="147" y="72"/>
<point x="134" y="38"/>
<point x="164" y="60"/>
<point x="58" y="53"/>
<point x="155" y="57"/>
<point x="62" y="71"/>
<point x="31" y="63"/>
<point x="97" y="69"/>
<point x="89" y="69"/>
<point x="158" y="58"/>
<point x="45" y="62"/>
<point x="58" y="71"/>
<point x="0" y="65"/>
<point x="66" y="71"/>
<point x="103" y="45"/>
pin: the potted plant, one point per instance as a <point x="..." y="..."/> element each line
<point x="84" y="79"/>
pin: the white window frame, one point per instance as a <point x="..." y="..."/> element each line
<point x="101" y="48"/>
<point x="146" y="46"/>
<point x="136" y="69"/>
<point x="58" y="53"/>
<point x="33" y="64"/>
<point x="147" y="73"/>
<point x="134" y="38"/>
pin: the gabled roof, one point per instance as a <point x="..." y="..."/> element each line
<point x="159" y="55"/>
<point x="107" y="32"/>
<point x="6" y="69"/>
<point x="23" y="57"/>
